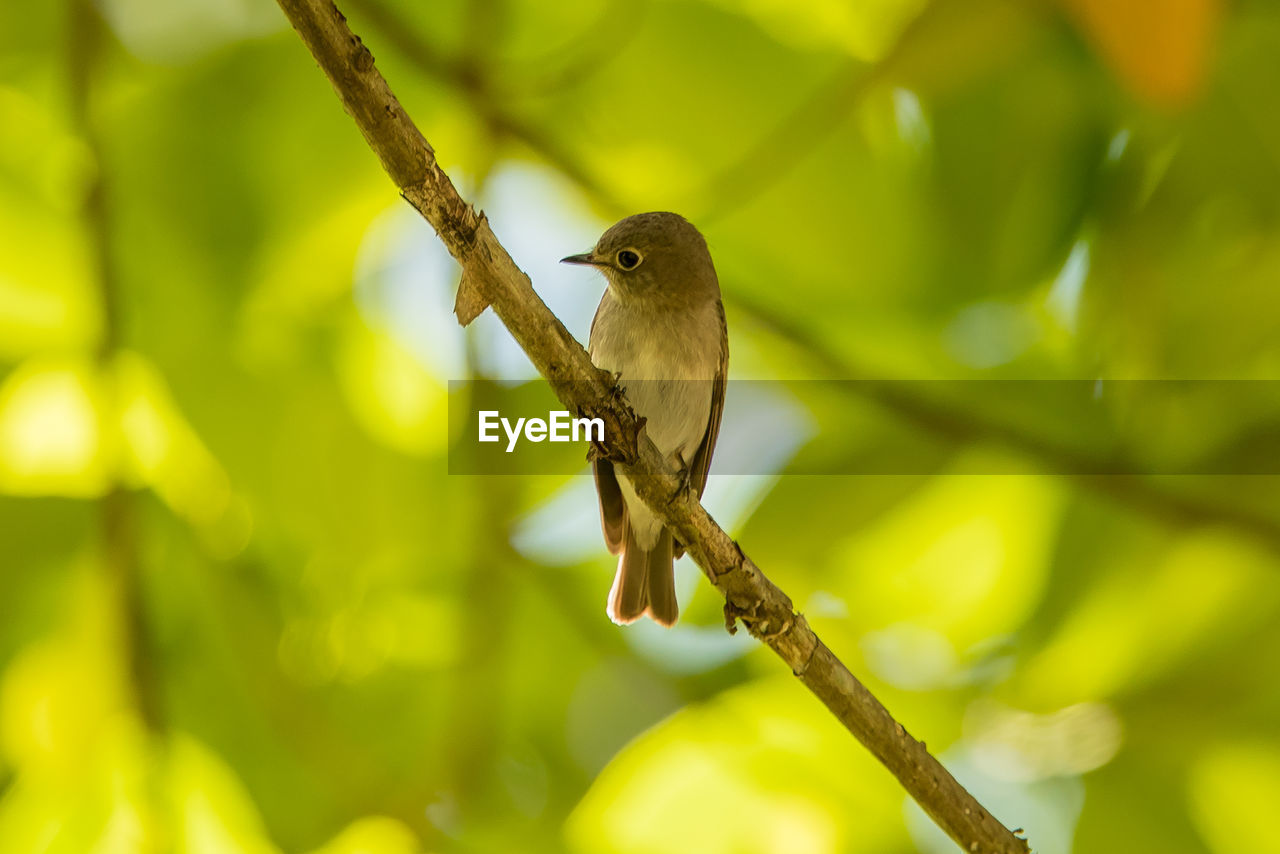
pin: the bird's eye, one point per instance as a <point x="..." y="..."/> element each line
<point x="629" y="259"/>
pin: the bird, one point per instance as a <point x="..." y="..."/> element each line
<point x="660" y="329"/>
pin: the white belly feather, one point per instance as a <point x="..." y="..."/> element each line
<point x="666" y="369"/>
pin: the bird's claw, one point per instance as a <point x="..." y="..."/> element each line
<point x="684" y="474"/>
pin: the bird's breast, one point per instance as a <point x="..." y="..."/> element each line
<point x="666" y="361"/>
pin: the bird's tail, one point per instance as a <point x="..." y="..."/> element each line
<point x="645" y="582"/>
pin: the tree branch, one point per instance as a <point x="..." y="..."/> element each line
<point x="490" y="277"/>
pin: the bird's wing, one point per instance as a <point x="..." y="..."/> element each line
<point x="701" y="464"/>
<point x="613" y="511"/>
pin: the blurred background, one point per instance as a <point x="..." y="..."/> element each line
<point x="245" y="608"/>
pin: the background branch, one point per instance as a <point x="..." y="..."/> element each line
<point x="118" y="511"/>
<point x="819" y="114"/>
<point x="490" y="277"/>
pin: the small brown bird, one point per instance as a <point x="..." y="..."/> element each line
<point x="660" y="327"/>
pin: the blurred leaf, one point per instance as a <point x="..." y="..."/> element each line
<point x="373" y="836"/>
<point x="213" y="812"/>
<point x="966" y="558"/>
<point x="765" y="761"/>
<point x="1160" y="50"/>
<point x="1139" y="623"/>
<point x="53" y="417"/>
<point x="1232" y="787"/>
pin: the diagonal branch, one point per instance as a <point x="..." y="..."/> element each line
<point x="491" y="278"/>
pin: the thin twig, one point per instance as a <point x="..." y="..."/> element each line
<point x="490" y="276"/>
<point x="575" y="62"/>
<point x="812" y="120"/>
<point x="938" y="417"/>
<point x="477" y="88"/>
<point x="950" y="421"/>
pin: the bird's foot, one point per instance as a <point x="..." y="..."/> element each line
<point x="684" y="472"/>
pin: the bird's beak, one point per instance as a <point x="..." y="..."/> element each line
<point x="585" y="258"/>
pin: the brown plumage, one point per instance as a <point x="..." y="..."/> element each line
<point x="660" y="326"/>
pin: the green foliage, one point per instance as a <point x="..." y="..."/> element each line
<point x="246" y="608"/>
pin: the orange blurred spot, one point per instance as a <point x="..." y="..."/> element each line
<point x="1158" y="48"/>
